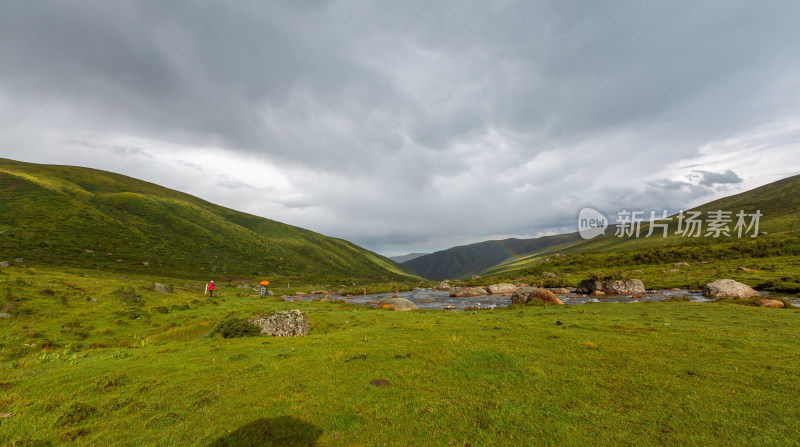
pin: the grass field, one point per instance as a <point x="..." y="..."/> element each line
<point x="135" y="368"/>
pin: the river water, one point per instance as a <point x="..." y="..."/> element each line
<point x="441" y="299"/>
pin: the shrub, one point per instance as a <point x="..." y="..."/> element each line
<point x="128" y="295"/>
<point x="236" y="327"/>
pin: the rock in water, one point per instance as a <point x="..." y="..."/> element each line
<point x="495" y="289"/>
<point x="160" y="287"/>
<point x="560" y="291"/>
<point x="462" y="292"/>
<point x="442" y="286"/>
<point x="520" y="296"/>
<point x="728" y="288"/>
<point x="611" y="287"/>
<point x="397" y="304"/>
<point x="286" y="323"/>
<point x="544" y="296"/>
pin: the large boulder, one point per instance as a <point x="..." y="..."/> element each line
<point x="520" y="296"/>
<point x="4" y="264"/>
<point x="286" y="323"/>
<point x="727" y="288"/>
<point x="160" y="287"/>
<point x="544" y="296"/>
<point x="397" y="304"/>
<point x="461" y="292"/>
<point x="611" y="287"/>
<point x="496" y="289"/>
<point x="442" y="286"/>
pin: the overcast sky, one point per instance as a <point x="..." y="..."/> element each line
<point x="411" y="125"/>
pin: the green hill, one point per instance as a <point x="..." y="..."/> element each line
<point x="779" y="229"/>
<point x="467" y="260"/>
<point x="87" y="218"/>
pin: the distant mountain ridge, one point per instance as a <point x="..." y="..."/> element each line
<point x="88" y="218"/>
<point x="404" y="258"/>
<point x="466" y="260"/>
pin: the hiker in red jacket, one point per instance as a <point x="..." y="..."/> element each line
<point x="211" y="287"/>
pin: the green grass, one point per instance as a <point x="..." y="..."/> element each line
<point x="119" y="372"/>
<point x="86" y="218"/>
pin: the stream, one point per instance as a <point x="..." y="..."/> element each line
<point x="441" y="299"/>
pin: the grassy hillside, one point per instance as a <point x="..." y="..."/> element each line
<point x="779" y="202"/>
<point x="467" y="260"/>
<point x="80" y="217"/>
<point x="135" y="368"/>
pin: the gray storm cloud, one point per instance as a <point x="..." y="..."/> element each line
<point x="409" y="126"/>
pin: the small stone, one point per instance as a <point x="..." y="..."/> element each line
<point x="160" y="287"/>
<point x="146" y="264"/>
<point x="379" y="382"/>
<point x="4" y="264"/>
<point x="5" y="315"/>
<point x="426" y="301"/>
<point x="772" y="304"/>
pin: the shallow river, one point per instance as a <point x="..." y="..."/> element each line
<point x="440" y="299"/>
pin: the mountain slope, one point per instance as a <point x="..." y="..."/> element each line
<point x="82" y="217"/>
<point x="779" y="203"/>
<point x="466" y="260"/>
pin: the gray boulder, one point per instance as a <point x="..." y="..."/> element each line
<point x="286" y="323"/>
<point x="728" y="288"/>
<point x="560" y="291"/>
<point x="520" y="296"/>
<point x="160" y="287"/>
<point x="444" y="285"/>
<point x="495" y="289"/>
<point x="611" y="287"/>
<point x="397" y="304"/>
<point x="5" y="315"/>
<point x="243" y="285"/>
<point x="4" y="264"/>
